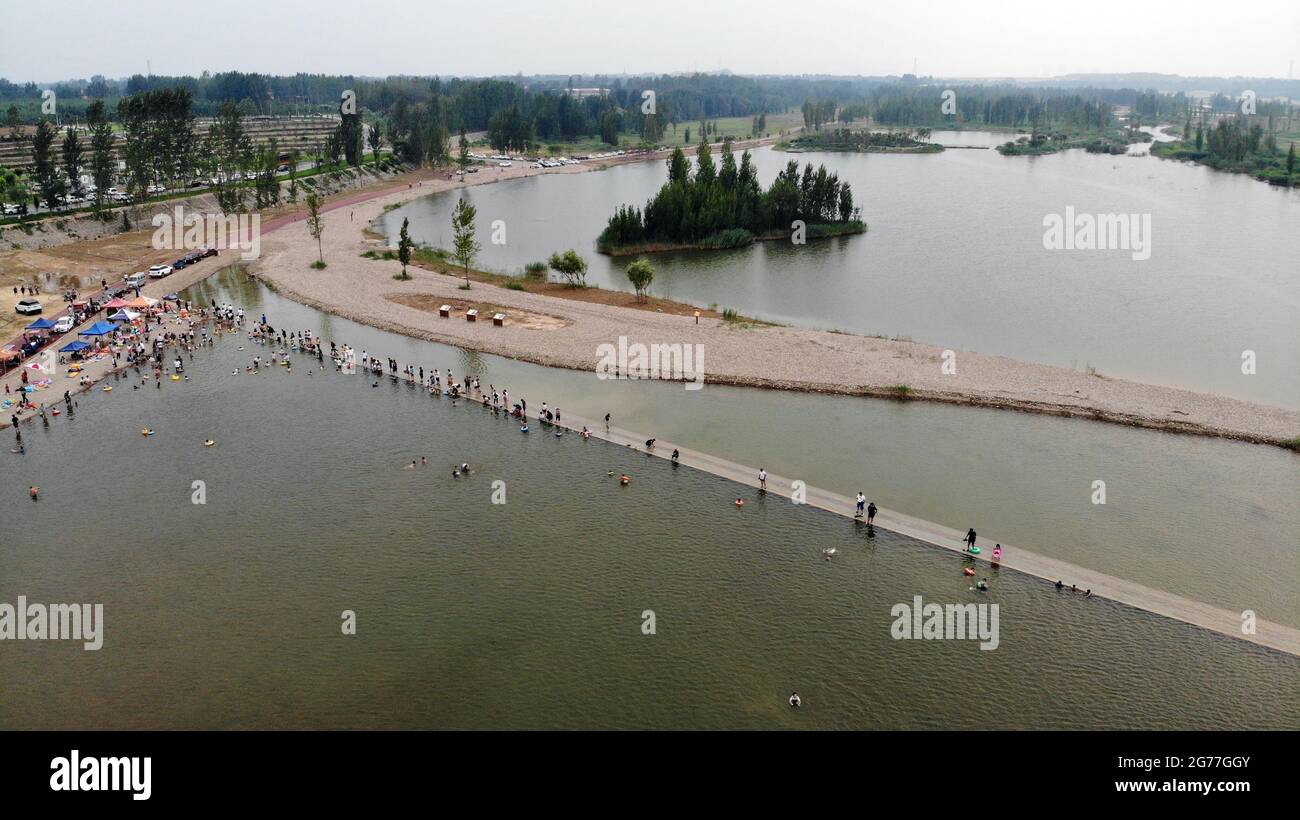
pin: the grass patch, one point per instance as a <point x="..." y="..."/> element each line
<point x="1292" y="444"/>
<point x="515" y="286"/>
<point x="901" y="391"/>
<point x="318" y="265"/>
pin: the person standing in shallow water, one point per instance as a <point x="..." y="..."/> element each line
<point x="762" y="478"/>
<point x="871" y="512"/>
<point x="970" y="538"/>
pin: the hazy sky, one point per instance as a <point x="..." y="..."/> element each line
<point x="46" y="41"/>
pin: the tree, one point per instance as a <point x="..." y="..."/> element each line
<point x="571" y="266"/>
<point x="72" y="157"/>
<point x="404" y="244"/>
<point x="463" y="159"/>
<point x="376" y="142"/>
<point x="350" y="137"/>
<point x="293" y="175"/>
<point x="101" y="151"/>
<point x="43" y="171"/>
<point x="1290" y="160"/>
<point x="316" y="226"/>
<point x="464" y="248"/>
<point x="640" y="273"/>
<point x="228" y="152"/>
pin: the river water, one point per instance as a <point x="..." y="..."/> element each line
<point x="531" y="613"/>
<point x="955" y="256"/>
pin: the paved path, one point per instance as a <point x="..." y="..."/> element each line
<point x="1269" y="634"/>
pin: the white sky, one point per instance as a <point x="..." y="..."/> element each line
<point x="64" y="39"/>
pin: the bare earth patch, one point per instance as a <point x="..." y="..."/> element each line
<point x="514" y="316"/>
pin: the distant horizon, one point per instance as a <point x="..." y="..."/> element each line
<point x="972" y="79"/>
<point x="941" y="38"/>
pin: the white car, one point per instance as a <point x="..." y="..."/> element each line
<point x="10" y="209"/>
<point x="159" y="271"/>
<point x="156" y="189"/>
<point x="28" y="306"/>
<point x="63" y="324"/>
<point x="505" y="163"/>
<point x="136" y="279"/>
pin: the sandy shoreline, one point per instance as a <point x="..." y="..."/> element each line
<point x="774" y="357"/>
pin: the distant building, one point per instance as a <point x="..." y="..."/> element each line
<point x="581" y="93"/>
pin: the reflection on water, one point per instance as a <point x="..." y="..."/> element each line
<point x="527" y="614"/>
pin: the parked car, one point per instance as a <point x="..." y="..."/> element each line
<point x="63" y="324"/>
<point x="282" y="169"/>
<point x="159" y="271"/>
<point x="28" y="307"/>
<point x="206" y="251"/>
<point x="10" y="209"/>
<point x="505" y="163"/>
<point x="179" y="263"/>
<point x="137" y="279"/>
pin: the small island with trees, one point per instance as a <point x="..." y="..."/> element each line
<point x="1238" y="145"/>
<point x="723" y="206"/>
<point x="864" y="140"/>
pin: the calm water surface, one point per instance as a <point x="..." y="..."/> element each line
<point x="955" y="257"/>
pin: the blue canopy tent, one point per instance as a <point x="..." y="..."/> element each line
<point x="73" y="347"/>
<point x="41" y="324"/>
<point x="98" y="329"/>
